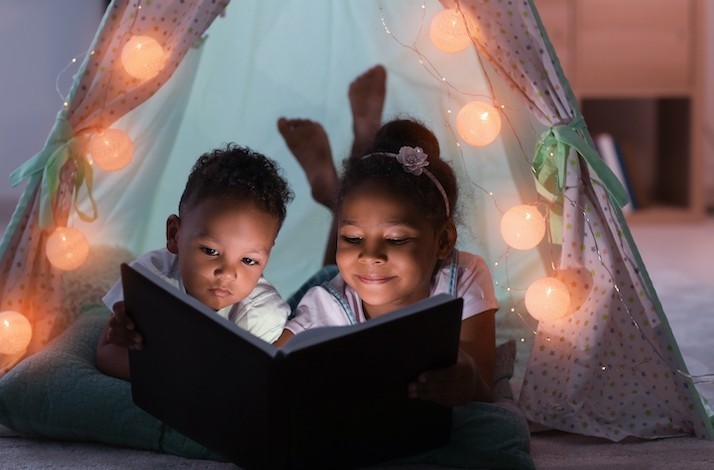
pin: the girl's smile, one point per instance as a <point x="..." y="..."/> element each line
<point x="387" y="250"/>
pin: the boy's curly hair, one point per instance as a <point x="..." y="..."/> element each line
<point x="239" y="174"/>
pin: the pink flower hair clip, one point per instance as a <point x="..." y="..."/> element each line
<point x="413" y="159"/>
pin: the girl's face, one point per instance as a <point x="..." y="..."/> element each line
<point x="222" y="249"/>
<point x="387" y="250"/>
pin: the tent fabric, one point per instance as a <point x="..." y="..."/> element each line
<point x="610" y="369"/>
<point x="99" y="96"/>
<point x="578" y="365"/>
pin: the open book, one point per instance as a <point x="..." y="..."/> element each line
<point x="331" y="397"/>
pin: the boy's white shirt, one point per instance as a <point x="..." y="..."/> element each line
<point x="473" y="283"/>
<point x="263" y="313"/>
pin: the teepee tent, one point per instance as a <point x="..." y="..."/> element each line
<point x="608" y="366"/>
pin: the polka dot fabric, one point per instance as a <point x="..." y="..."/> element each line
<point x="105" y="92"/>
<point x="506" y="33"/>
<point x="611" y="369"/>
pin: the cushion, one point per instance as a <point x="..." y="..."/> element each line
<point x="58" y="393"/>
<point x="88" y="284"/>
<point x="503" y="372"/>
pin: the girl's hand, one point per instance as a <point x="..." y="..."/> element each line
<point x="121" y="330"/>
<point x="451" y="386"/>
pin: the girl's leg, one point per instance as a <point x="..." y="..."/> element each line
<point x="308" y="142"/>
<point x="366" y="94"/>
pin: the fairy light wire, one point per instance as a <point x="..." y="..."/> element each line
<point x="502" y="261"/>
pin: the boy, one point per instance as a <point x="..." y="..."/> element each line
<point x="217" y="247"/>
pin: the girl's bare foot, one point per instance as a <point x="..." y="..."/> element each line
<point x="308" y="142"/>
<point x="366" y="94"/>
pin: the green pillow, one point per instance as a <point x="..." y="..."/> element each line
<point x="503" y="372"/>
<point x="59" y="393"/>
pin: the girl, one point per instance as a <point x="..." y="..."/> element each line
<point x="396" y="240"/>
<point x="395" y="246"/>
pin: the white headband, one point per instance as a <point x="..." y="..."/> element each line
<point x="414" y="161"/>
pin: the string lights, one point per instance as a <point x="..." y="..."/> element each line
<point x="478" y="123"/>
<point x="67" y="248"/>
<point x="448" y="31"/>
<point x="523" y="227"/>
<point x="15" y="333"/>
<point x="547" y="299"/>
<point x="142" y="58"/>
<point x="110" y="149"/>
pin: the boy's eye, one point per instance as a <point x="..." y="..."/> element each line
<point x="249" y="261"/>
<point x="209" y="251"/>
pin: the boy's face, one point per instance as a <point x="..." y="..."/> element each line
<point x="387" y="250"/>
<point x="222" y="249"/>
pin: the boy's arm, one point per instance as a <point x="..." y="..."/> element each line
<point x="284" y="337"/>
<point x="118" y="336"/>
<point x="112" y="359"/>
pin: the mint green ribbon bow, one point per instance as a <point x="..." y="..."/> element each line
<point x="48" y="162"/>
<point x="551" y="155"/>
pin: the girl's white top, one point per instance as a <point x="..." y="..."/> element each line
<point x="335" y="303"/>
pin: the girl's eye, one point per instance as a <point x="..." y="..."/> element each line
<point x="397" y="241"/>
<point x="209" y="251"/>
<point x="351" y="240"/>
<point x="249" y="261"/>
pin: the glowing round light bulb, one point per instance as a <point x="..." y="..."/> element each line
<point x="67" y="248"/>
<point x="547" y="299"/>
<point x="523" y="227"/>
<point x="143" y="57"/>
<point x="448" y="31"/>
<point x="15" y="333"/>
<point x="110" y="149"/>
<point x="478" y="123"/>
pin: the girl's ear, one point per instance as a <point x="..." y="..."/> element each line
<point x="173" y="223"/>
<point x="447" y="239"/>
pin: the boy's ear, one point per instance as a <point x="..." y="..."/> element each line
<point x="173" y="223"/>
<point x="447" y="240"/>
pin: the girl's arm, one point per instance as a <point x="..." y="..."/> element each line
<point x="478" y="341"/>
<point x="470" y="378"/>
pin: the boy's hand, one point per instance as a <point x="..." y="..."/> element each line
<point x="451" y="386"/>
<point x="122" y="330"/>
